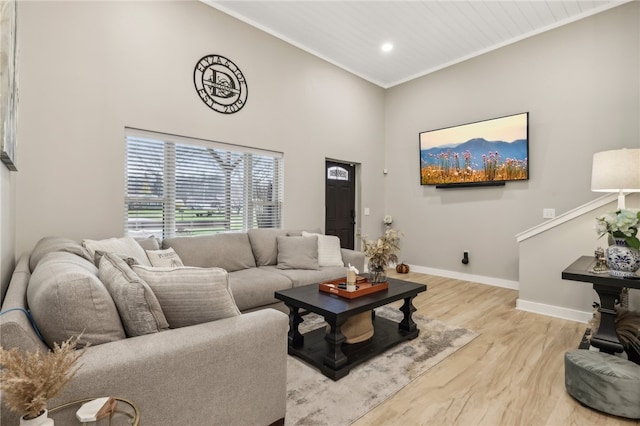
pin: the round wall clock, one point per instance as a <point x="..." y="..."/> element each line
<point x="220" y="84"/>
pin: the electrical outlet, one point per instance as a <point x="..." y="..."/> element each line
<point x="548" y="213"/>
<point x="367" y="211"/>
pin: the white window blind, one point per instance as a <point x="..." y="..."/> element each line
<point x="182" y="186"/>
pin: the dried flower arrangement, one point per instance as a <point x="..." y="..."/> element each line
<point x="31" y="379"/>
<point x="382" y="251"/>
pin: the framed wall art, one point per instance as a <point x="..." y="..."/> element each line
<point x="8" y="83"/>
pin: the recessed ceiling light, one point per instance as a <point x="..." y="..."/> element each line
<point x="386" y="47"/>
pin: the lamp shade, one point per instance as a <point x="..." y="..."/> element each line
<point x="616" y="171"/>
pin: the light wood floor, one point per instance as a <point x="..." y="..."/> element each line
<point x="512" y="374"/>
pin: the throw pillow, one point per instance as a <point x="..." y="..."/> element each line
<point x="230" y="251"/>
<point x="138" y="307"/>
<point x="297" y="252"/>
<point x="329" y="253"/>
<point x="166" y="257"/>
<point x="51" y="244"/>
<point x="190" y="295"/>
<point x="99" y="254"/>
<point x="67" y="299"/>
<point x="148" y="243"/>
<point x="126" y="246"/>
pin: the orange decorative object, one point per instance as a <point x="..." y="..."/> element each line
<point x="363" y="285"/>
<point x="402" y="268"/>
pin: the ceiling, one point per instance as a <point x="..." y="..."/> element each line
<point x="426" y="35"/>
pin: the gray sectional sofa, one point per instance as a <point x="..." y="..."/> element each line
<point x="229" y="371"/>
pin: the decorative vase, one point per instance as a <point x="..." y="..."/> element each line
<point x="42" y="420"/>
<point x="623" y="260"/>
<point x="377" y="274"/>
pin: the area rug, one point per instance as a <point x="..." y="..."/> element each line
<point x="313" y="399"/>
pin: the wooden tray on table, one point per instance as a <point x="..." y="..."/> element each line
<point x="362" y="283"/>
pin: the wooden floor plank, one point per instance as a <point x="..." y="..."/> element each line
<point x="512" y="374"/>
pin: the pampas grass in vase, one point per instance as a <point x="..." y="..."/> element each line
<point x="29" y="380"/>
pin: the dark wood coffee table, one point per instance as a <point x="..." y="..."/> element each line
<point x="327" y="350"/>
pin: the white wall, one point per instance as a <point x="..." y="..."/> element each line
<point x="543" y="256"/>
<point x="100" y="66"/>
<point x="580" y="85"/>
<point x="7" y="227"/>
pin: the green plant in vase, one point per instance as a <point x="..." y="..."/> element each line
<point x="623" y="257"/>
<point x="622" y="223"/>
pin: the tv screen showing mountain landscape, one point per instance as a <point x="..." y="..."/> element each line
<point x="488" y="151"/>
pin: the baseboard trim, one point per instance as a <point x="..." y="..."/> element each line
<point x="481" y="279"/>
<point x="554" y="311"/>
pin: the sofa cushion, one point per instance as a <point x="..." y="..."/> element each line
<point x="51" y="244"/>
<point x="137" y="305"/>
<point x="148" y="243"/>
<point x="254" y="287"/>
<point x="166" y="257"/>
<point x="124" y="246"/>
<point x="300" y="277"/>
<point x="329" y="253"/>
<point x="67" y="299"/>
<point x="190" y="295"/>
<point x="297" y="252"/>
<point x="264" y="245"/>
<point x="230" y="251"/>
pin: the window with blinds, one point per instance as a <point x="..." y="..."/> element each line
<point x="182" y="186"/>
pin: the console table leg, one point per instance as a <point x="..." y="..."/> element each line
<point x="606" y="339"/>
<point x="407" y="323"/>
<point x="295" y="339"/>
<point x="334" y="357"/>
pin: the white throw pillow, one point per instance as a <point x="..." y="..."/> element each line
<point x="125" y="246"/>
<point x="329" y="253"/>
<point x="167" y="257"/>
<point x="190" y="295"/>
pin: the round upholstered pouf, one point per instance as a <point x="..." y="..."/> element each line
<point x="605" y="382"/>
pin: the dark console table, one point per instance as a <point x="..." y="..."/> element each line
<point x="608" y="288"/>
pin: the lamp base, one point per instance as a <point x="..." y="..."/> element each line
<point x="621" y="204"/>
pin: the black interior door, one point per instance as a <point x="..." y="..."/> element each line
<point x="340" y="202"/>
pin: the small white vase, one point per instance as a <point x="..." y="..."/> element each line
<point x="623" y="260"/>
<point x="42" y="420"/>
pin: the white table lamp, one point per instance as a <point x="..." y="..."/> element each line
<point x="616" y="171"/>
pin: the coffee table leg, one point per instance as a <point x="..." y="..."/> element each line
<point x="296" y="339"/>
<point x="408" y="309"/>
<point x="334" y="357"/>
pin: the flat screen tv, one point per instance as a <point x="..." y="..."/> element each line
<point x="483" y="153"/>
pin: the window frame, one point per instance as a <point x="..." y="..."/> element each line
<point x="250" y="211"/>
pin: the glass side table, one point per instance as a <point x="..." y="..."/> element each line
<point x="126" y="413"/>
